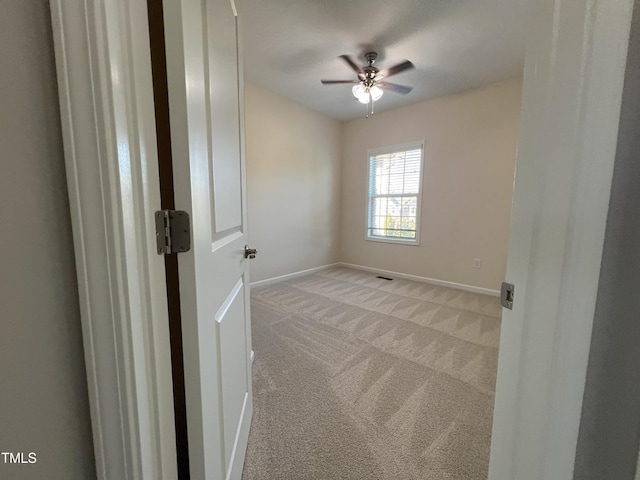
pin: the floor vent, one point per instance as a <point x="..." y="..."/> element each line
<point x="384" y="278"/>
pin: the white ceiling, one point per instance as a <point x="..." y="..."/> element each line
<point x="456" y="45"/>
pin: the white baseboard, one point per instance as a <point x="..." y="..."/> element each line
<point x="293" y="275"/>
<point x="433" y="281"/>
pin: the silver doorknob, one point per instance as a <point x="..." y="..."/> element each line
<point x="249" y="252"/>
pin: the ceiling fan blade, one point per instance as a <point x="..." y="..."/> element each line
<point x="401" y="67"/>
<point x="394" y="87"/>
<point x="329" y="82"/>
<point x="351" y="63"/>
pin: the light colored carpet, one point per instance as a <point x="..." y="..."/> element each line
<point x="357" y="377"/>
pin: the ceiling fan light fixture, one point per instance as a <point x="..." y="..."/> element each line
<point x="367" y="94"/>
<point x="364" y="98"/>
<point x="360" y="92"/>
<point x="376" y="93"/>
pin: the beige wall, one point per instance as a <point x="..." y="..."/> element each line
<point x="44" y="405"/>
<point x="470" y="150"/>
<point x="293" y="184"/>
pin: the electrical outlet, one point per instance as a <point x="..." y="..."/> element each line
<point x="477" y="263"/>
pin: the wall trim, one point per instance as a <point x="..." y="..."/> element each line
<point x="406" y="276"/>
<point x="108" y="126"/>
<point x="294" y="274"/>
<point x="417" y="278"/>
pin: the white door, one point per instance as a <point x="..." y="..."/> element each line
<point x="205" y="102"/>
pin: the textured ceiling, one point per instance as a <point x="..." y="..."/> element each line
<point x="289" y="45"/>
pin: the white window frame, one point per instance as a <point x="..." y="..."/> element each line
<point x="393" y="149"/>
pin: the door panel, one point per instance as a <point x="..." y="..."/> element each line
<point x="230" y="319"/>
<point x="203" y="73"/>
<point x="222" y="72"/>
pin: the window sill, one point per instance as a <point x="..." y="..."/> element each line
<point x="397" y="241"/>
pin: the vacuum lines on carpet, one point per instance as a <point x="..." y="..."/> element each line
<point x="357" y="377"/>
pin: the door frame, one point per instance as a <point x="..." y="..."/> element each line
<point x="108" y="125"/>
<point x="572" y="93"/>
<point x="104" y="78"/>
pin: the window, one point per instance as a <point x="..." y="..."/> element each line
<point x="395" y="179"/>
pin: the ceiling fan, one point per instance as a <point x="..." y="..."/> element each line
<point x="370" y="84"/>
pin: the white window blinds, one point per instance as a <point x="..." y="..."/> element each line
<point x="394" y="193"/>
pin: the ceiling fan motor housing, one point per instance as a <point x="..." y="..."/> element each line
<point x="369" y="72"/>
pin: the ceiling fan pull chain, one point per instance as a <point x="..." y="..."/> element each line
<point x="366" y="106"/>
